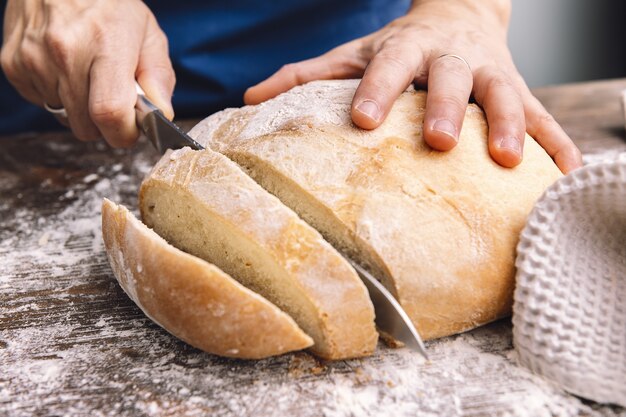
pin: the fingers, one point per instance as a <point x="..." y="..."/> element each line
<point x="112" y="96"/>
<point x="74" y="95"/>
<point x="154" y="70"/>
<point x="15" y="71"/>
<point x="85" y="57"/>
<point x="550" y="135"/>
<point x="449" y="89"/>
<point x="388" y="74"/>
<point x="42" y="73"/>
<point x="503" y="106"/>
<point x="341" y="62"/>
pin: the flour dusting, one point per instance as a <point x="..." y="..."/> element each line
<point x="72" y="343"/>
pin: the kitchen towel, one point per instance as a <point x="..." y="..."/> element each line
<point x="569" y="314"/>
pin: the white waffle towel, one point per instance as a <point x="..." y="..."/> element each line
<point x="569" y="314"/>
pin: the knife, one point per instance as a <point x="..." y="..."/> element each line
<point x="390" y="316"/>
<point x="160" y="131"/>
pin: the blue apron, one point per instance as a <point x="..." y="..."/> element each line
<point x="220" y="48"/>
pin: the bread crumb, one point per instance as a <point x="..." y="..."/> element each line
<point x="90" y="178"/>
<point x="43" y="240"/>
<point x="389" y="340"/>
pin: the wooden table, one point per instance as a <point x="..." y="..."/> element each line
<point x="72" y="343"/>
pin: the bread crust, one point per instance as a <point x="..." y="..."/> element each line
<point x="192" y="299"/>
<point x="214" y="187"/>
<point x="440" y="229"/>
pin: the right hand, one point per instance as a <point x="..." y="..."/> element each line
<point x="85" y="55"/>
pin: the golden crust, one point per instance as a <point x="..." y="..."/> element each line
<point x="440" y="229"/>
<point x="216" y="187"/>
<point x="192" y="299"/>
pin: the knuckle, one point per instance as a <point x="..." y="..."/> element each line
<point x="289" y="67"/>
<point x="8" y="64"/>
<point x="293" y="70"/>
<point x="107" y="112"/>
<point x="448" y="100"/>
<point x="498" y="81"/>
<point x="166" y="73"/>
<point x="393" y="58"/>
<point x="510" y="118"/>
<point x="30" y="60"/>
<point x="547" y="118"/>
<point x="101" y="38"/>
<point x="104" y="39"/>
<point x="59" y="46"/>
<point x="568" y="151"/>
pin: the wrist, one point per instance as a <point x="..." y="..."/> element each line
<point x="495" y="13"/>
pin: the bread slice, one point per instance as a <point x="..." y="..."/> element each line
<point x="439" y="229"/>
<point x="192" y="299"/>
<point x="205" y="205"/>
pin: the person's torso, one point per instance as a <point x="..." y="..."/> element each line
<point x="220" y="48"/>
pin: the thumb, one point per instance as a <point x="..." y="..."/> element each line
<point x="154" y="69"/>
<point x="335" y="64"/>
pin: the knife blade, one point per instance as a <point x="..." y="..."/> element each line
<point x="160" y="131"/>
<point x="390" y="316"/>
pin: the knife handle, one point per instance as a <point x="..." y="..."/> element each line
<point x="143" y="107"/>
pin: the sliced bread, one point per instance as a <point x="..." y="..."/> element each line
<point x="204" y="204"/>
<point x="439" y="228"/>
<point x="192" y="299"/>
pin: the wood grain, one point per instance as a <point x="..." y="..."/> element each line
<point x="72" y="343"/>
<point x="591" y="113"/>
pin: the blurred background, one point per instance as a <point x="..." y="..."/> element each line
<point x="560" y="41"/>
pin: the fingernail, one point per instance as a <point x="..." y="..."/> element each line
<point x="511" y="144"/>
<point x="370" y="109"/>
<point x="445" y="126"/>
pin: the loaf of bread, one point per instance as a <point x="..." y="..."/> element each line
<point x="204" y="204"/>
<point x="192" y="299"/>
<point x="439" y="228"/>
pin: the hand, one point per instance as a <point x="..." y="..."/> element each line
<point x="409" y="50"/>
<point x="84" y="55"/>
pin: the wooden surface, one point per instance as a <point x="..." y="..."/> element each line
<point x="72" y="343"/>
<point x="591" y="113"/>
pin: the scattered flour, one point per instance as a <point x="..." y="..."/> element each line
<point x="100" y="356"/>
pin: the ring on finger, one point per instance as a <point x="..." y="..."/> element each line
<point x="59" y="111"/>
<point x="460" y="58"/>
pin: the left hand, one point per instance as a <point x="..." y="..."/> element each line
<point x="410" y="50"/>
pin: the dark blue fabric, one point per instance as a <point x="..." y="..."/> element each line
<point x="219" y="48"/>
